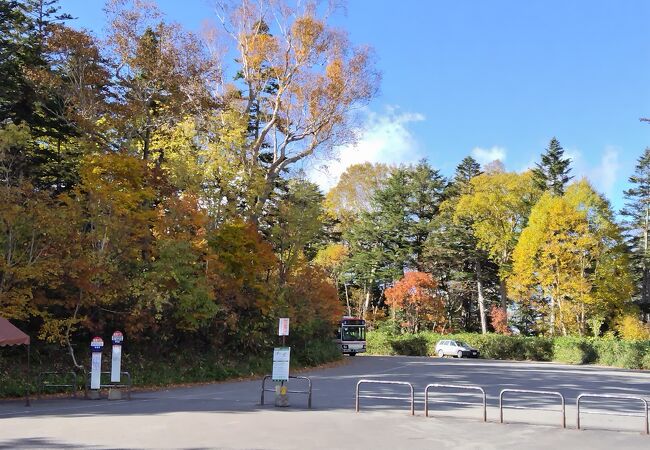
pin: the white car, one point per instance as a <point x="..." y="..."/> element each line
<point x="455" y="348"/>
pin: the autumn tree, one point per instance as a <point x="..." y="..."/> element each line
<point x="415" y="299"/>
<point x="451" y="252"/>
<point x="294" y="224"/>
<point x="498" y="206"/>
<point x="354" y="191"/>
<point x="571" y="262"/>
<point x="298" y="81"/>
<point x="163" y="74"/>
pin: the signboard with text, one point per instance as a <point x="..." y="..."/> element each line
<point x="283" y="328"/>
<point x="281" y="357"/>
<point x="116" y="361"/>
<point x="96" y="346"/>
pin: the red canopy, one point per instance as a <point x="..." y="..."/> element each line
<point x="10" y="335"/>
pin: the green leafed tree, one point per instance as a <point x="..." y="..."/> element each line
<point x="552" y="173"/>
<point x="637" y="224"/>
<point x="452" y="255"/>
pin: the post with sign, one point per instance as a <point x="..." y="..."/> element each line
<point x="116" y="361"/>
<point x="116" y="364"/>
<point x="281" y="359"/>
<point x="96" y="347"/>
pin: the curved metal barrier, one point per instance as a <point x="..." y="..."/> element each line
<point x="44" y="383"/>
<point x="525" y="391"/>
<point x="454" y="386"/>
<point x="622" y="397"/>
<point x="126" y="385"/>
<point x="402" y="383"/>
<point x="308" y="392"/>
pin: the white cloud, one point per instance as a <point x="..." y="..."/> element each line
<point x="602" y="175"/>
<point x="486" y="156"/>
<point x="385" y="138"/>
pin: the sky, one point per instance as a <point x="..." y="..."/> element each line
<point x="495" y="79"/>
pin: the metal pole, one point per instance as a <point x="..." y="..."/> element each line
<point x="578" y="408"/>
<point x="501" y="407"/>
<point x="412" y="400"/>
<point x="309" y="398"/>
<point x="28" y="372"/>
<point x="563" y="412"/>
<point x="426" y="401"/>
<point x="484" y="406"/>
<point x="356" y="400"/>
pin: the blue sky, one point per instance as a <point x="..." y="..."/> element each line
<point x="494" y="79"/>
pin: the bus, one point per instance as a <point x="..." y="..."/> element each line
<point x="351" y="336"/>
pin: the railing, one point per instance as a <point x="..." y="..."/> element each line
<point x="308" y="392"/>
<point x="44" y="383"/>
<point x="454" y="386"/>
<point x="622" y="397"/>
<point x="402" y="383"/>
<point x="126" y="385"/>
<point x="524" y="391"/>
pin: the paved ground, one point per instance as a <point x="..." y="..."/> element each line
<point x="229" y="415"/>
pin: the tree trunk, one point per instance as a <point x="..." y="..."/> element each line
<point x="481" y="298"/>
<point x="552" y="315"/>
<point x="347" y="299"/>
<point x="503" y="290"/>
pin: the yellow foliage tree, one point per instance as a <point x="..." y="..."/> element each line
<point x="498" y="205"/>
<point x="568" y="263"/>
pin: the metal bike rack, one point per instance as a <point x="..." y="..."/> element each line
<point x="524" y="391"/>
<point x="126" y="385"/>
<point x="454" y="386"/>
<point x="308" y="392"/>
<point x="622" y="397"/>
<point x="43" y="383"/>
<point x="402" y="383"/>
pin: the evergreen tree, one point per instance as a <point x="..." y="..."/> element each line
<point x="451" y="253"/>
<point x="427" y="188"/>
<point x="552" y="174"/>
<point x="637" y="213"/>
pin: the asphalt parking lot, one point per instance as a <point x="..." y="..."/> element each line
<point x="229" y="415"/>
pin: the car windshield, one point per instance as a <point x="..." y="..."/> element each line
<point x="462" y="344"/>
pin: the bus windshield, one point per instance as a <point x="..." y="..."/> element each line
<point x="354" y="333"/>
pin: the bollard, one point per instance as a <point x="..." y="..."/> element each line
<point x="281" y="395"/>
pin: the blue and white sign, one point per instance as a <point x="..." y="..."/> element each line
<point x="116" y="360"/>
<point x="96" y="346"/>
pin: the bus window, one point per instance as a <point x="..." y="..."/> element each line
<point x="354" y="333"/>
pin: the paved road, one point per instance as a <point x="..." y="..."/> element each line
<point x="228" y="415"/>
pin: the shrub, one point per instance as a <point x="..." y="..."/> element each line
<point x="410" y="345"/>
<point x="570" y="349"/>
<point x="573" y="350"/>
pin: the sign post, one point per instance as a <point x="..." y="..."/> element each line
<point x="281" y="359"/>
<point x="96" y="346"/>
<point x="116" y="361"/>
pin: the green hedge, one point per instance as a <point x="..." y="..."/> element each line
<point x="570" y="350"/>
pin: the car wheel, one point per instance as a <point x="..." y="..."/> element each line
<point x="441" y="354"/>
<point x="460" y="354"/>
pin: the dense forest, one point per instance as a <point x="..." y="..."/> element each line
<point x="150" y="182"/>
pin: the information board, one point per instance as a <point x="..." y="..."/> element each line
<point x="283" y="328"/>
<point x="281" y="357"/>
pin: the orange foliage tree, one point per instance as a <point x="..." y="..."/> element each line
<point x="499" y="319"/>
<point x="415" y="298"/>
